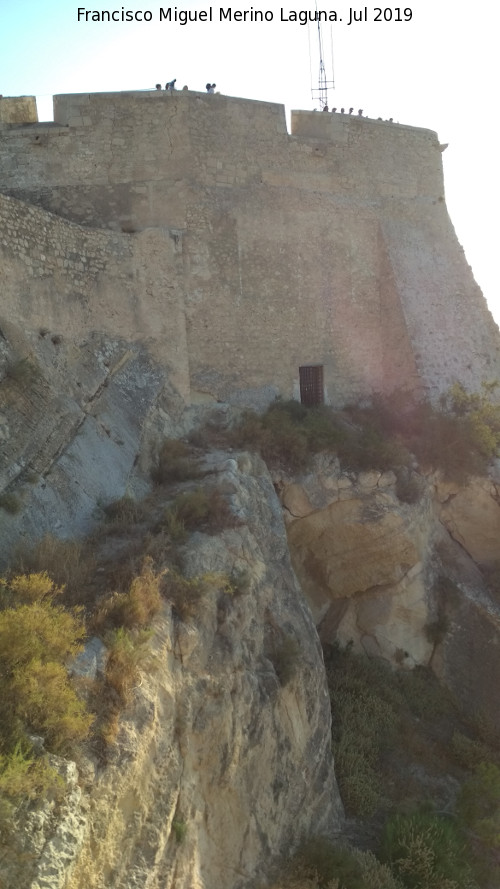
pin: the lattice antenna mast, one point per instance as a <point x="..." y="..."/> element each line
<point x="325" y="83"/>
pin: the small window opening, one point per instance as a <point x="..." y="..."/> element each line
<point x="311" y="384"/>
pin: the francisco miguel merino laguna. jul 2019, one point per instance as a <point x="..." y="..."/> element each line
<point x="228" y="14"/>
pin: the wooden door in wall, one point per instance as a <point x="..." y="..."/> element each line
<point x="311" y="384"/>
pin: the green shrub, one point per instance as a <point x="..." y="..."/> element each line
<point x="369" y="448"/>
<point x="327" y="862"/>
<point x="426" y="851"/>
<point x="69" y="563"/>
<point x="125" y="511"/>
<point x="186" y="593"/>
<point x="376" y="875"/>
<point x="470" y="752"/>
<point x="175" y="463"/>
<point x="137" y="607"/>
<point x="479" y="804"/>
<point x="174" y="526"/>
<point x="32" y="626"/>
<point x="37" y="638"/>
<point x="179" y="829"/>
<point x="462" y="436"/>
<point x="459" y="437"/>
<point x="320" y="864"/>
<point x="11" y="503"/>
<point x="203" y="509"/>
<point x="449" y="443"/>
<point x="192" y="508"/>
<point x="43" y="701"/>
<point x="23" y="775"/>
<point x="423" y="694"/>
<point x="288" y="433"/>
<point x="365" y="703"/>
<point x="127" y="652"/>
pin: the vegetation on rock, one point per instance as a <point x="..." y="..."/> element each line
<point x="459" y="437"/>
<point x="37" y="637"/>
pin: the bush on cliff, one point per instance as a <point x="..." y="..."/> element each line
<point x="459" y="437"/>
<point x="175" y="463"/>
<point x="135" y="608"/>
<point x="321" y="864"/>
<point x="426" y="851"/>
<point x="37" y="637"/>
<point x="203" y="509"/>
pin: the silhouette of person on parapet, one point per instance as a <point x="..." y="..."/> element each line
<point x="171" y="84"/>
<point x="210" y="87"/>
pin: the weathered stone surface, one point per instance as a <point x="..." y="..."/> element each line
<point x="220" y="764"/>
<point x="18" y="109"/>
<point x="91" y="662"/>
<point x="342" y="551"/>
<point x="472" y="516"/>
<point x="234" y="252"/>
<point x="467" y="659"/>
<point x="363" y="561"/>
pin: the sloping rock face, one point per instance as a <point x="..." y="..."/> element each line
<point x="363" y="559"/>
<point x="402" y="581"/>
<point x="467" y="658"/>
<point x="77" y="421"/>
<point x="224" y="760"/>
<point x="472" y="516"/>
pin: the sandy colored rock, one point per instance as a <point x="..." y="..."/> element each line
<point x="296" y="501"/>
<point x="221" y="764"/>
<point x="340" y="552"/>
<point x="472" y="516"/>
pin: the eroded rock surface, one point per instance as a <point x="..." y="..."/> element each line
<point x="363" y="558"/>
<point x="223" y="761"/>
<point x="472" y="516"/>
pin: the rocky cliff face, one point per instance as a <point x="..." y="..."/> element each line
<point x="219" y="768"/>
<point x="400" y="581"/>
<point x="223" y="760"/>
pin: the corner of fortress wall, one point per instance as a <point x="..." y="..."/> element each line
<point x="330" y="245"/>
<point x="18" y="109"/>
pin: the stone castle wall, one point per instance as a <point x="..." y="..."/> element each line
<point x="61" y="278"/>
<point x="331" y="245"/>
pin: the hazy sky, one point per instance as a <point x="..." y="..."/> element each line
<point x="438" y="69"/>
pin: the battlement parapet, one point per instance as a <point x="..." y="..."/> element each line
<point x="84" y="109"/>
<point x="336" y="126"/>
<point x="18" y="109"/>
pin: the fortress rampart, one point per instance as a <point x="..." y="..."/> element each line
<point x="240" y="252"/>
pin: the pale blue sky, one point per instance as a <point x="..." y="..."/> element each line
<point x="440" y="70"/>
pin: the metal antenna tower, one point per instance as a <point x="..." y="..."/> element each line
<point x="324" y="82"/>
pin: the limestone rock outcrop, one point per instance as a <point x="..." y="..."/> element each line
<point x="472" y="516"/>
<point x="402" y="581"/>
<point x="363" y="559"/>
<point x="222" y="762"/>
